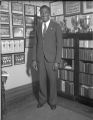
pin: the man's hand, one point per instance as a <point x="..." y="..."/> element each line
<point x="34" y="65"/>
<point x="55" y="66"/>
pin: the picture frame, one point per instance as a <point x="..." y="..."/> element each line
<point x="29" y="21"/>
<point x="17" y="19"/>
<point x="6" y="60"/>
<point x="19" y="46"/>
<point x="87" y="6"/>
<point x="19" y="58"/>
<point x="5" y="31"/>
<point x="29" y="10"/>
<point x="72" y="8"/>
<point x="17" y="7"/>
<point x="4" y="18"/>
<point x="56" y="8"/>
<point x="4" y="6"/>
<point x="18" y="32"/>
<point x="29" y="32"/>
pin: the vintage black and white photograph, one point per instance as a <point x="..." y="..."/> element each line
<point x="46" y="60"/>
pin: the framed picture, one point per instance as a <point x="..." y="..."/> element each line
<point x="56" y="8"/>
<point x="19" y="58"/>
<point x="29" y="9"/>
<point x="17" y="7"/>
<point x="87" y="6"/>
<point x="6" y="60"/>
<point x="38" y="10"/>
<point x="4" y="18"/>
<point x="18" y="32"/>
<point x="29" y="21"/>
<point x="72" y="7"/>
<point x="17" y="19"/>
<point x="4" y="31"/>
<point x="29" y="31"/>
<point x="19" y="46"/>
<point x="4" y="7"/>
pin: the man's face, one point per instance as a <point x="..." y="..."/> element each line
<point x="45" y="14"/>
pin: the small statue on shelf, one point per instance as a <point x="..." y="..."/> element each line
<point x="85" y="24"/>
<point x="75" y="23"/>
<point x="64" y="27"/>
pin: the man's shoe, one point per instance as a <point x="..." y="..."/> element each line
<point x="39" y="105"/>
<point x="53" y="107"/>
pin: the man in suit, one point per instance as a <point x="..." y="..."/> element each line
<point x="46" y="57"/>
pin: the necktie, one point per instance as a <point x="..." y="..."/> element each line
<point x="44" y="30"/>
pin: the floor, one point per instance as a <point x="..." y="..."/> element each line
<point x="25" y="109"/>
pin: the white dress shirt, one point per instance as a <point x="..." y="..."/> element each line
<point x="47" y="24"/>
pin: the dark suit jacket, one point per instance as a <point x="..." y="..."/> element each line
<point x="50" y="45"/>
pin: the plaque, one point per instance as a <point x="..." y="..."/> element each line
<point x="17" y="7"/>
<point x="6" y="60"/>
<point x="18" y="32"/>
<point x="17" y="19"/>
<point x="4" y="31"/>
<point x="72" y="7"/>
<point x="29" y="10"/>
<point x="56" y="8"/>
<point x="19" y="58"/>
<point x="88" y="6"/>
<point x="29" y="21"/>
<point x="4" y="18"/>
<point x="4" y="6"/>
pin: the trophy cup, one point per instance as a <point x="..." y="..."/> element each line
<point x="75" y="23"/>
<point x="85" y="23"/>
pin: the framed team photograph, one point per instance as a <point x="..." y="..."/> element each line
<point x="56" y="8"/>
<point x="5" y="31"/>
<point x="29" y="9"/>
<point x="29" y="21"/>
<point x="18" y="32"/>
<point x="17" y="19"/>
<point x="6" y="60"/>
<point x="4" y="7"/>
<point x="29" y="31"/>
<point x="4" y="18"/>
<point x="19" y="58"/>
<point x="17" y="7"/>
<point x="72" y="8"/>
<point x="87" y="6"/>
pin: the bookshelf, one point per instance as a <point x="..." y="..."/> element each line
<point x="85" y="59"/>
<point x="75" y="74"/>
<point x="66" y="72"/>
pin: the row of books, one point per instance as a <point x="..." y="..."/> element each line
<point x="86" y="67"/>
<point x="66" y="87"/>
<point x="86" y="79"/>
<point x="86" y="43"/>
<point x="86" y="91"/>
<point x="11" y="46"/>
<point x="86" y="54"/>
<point x="66" y="75"/>
<point x="68" y="53"/>
<point x="68" y="42"/>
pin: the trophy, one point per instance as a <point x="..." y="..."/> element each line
<point x="85" y="23"/>
<point x="75" y="23"/>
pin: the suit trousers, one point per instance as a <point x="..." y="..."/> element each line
<point x="47" y="82"/>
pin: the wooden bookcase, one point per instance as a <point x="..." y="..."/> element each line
<point x="75" y="75"/>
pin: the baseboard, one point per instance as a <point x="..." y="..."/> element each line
<point x="18" y="93"/>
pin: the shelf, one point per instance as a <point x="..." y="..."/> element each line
<point x="85" y="48"/>
<point x="87" y="61"/>
<point x="65" y="80"/>
<point x="66" y="69"/>
<point x="86" y="73"/>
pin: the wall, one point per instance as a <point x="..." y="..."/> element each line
<point x="17" y="73"/>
